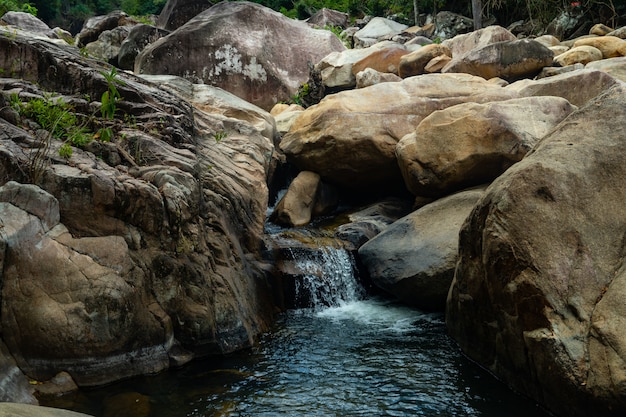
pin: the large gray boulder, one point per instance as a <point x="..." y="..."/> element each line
<point x="252" y="51"/>
<point x="414" y="258"/>
<point x="538" y="293"/>
<point x="138" y="38"/>
<point x="176" y="13"/>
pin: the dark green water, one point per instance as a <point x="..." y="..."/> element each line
<point x="363" y="358"/>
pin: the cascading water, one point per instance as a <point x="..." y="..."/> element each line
<point x="327" y="278"/>
<point x="345" y="354"/>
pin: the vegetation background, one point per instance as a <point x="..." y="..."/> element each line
<point x="69" y="14"/>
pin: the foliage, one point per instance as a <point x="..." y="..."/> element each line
<point x="17" y="6"/>
<point x="108" y="101"/>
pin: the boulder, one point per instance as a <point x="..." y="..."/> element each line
<point x="94" y="26"/>
<point x="164" y="221"/>
<point x="382" y="60"/>
<point x="538" y="289"/>
<point x="620" y="32"/>
<point x="107" y="47"/>
<point x="349" y="138"/>
<point x="327" y="18"/>
<point x="247" y="49"/>
<point x="471" y="143"/>
<point x="610" y="46"/>
<point x="600" y="29"/>
<point x="448" y="25"/>
<point x="567" y="85"/>
<point x="14" y="386"/>
<point x="552" y="71"/>
<point x="579" y="55"/>
<point x="176" y="13"/>
<point x="304" y="199"/>
<point x="414" y="258"/>
<point x="437" y="64"/>
<point x="508" y="60"/>
<point x="616" y="67"/>
<point x="369" y="77"/>
<point x="365" y="223"/>
<point x="415" y="62"/>
<point x="99" y="281"/>
<point x="565" y="25"/>
<point x="26" y="410"/>
<point x="26" y="22"/>
<point x="548" y="40"/>
<point x="137" y="39"/>
<point x="336" y="68"/>
<point x="463" y="43"/>
<point x="376" y="29"/>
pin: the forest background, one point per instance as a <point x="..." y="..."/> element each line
<point x="70" y="14"/>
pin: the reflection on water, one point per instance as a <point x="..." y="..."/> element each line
<point x="363" y="358"/>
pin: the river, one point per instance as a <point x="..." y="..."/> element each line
<point x="348" y="355"/>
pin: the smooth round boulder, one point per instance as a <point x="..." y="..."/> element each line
<point x="414" y="258"/>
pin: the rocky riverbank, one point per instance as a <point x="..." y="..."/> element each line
<point x="137" y="243"/>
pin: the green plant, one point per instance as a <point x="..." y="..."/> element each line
<point x="219" y="135"/>
<point x="303" y="91"/>
<point x="109" y="101"/>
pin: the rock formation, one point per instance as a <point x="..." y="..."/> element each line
<point x="247" y="49"/>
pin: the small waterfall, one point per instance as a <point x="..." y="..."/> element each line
<point x="327" y="278"/>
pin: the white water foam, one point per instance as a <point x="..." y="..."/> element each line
<point x="380" y="314"/>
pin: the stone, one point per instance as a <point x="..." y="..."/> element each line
<point x="26" y="22"/>
<point x="94" y="26"/>
<point x="473" y="143"/>
<point x="336" y="68"/>
<point x="579" y="55"/>
<point x="600" y="29"/>
<point x="164" y="222"/>
<point x="558" y="50"/>
<point x="137" y="39"/>
<point x="548" y="40"/>
<point x="536" y="289"/>
<point x="377" y="28"/>
<point x="466" y="42"/>
<point x="415" y="62"/>
<point x="304" y="199"/>
<point x="620" y="33"/>
<point x="286" y="119"/>
<point x="382" y="60"/>
<point x="26" y="410"/>
<point x="61" y="384"/>
<point x="107" y="47"/>
<point x="325" y="18"/>
<point x="32" y="200"/>
<point x="610" y="46"/>
<point x="176" y="13"/>
<point x="567" y="85"/>
<point x="437" y="64"/>
<point x="508" y="60"/>
<point x="414" y="258"/>
<point x="616" y="67"/>
<point x="240" y="53"/>
<point x="552" y="71"/>
<point x="369" y="77"/>
<point x="14" y="385"/>
<point x="565" y="24"/>
<point x="365" y="223"/>
<point x="349" y="138"/>
<point x="449" y="25"/>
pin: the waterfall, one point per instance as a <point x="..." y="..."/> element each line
<point x="327" y="277"/>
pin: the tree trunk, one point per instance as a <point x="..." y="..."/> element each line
<point x="477" y="8"/>
<point x="416" y="13"/>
